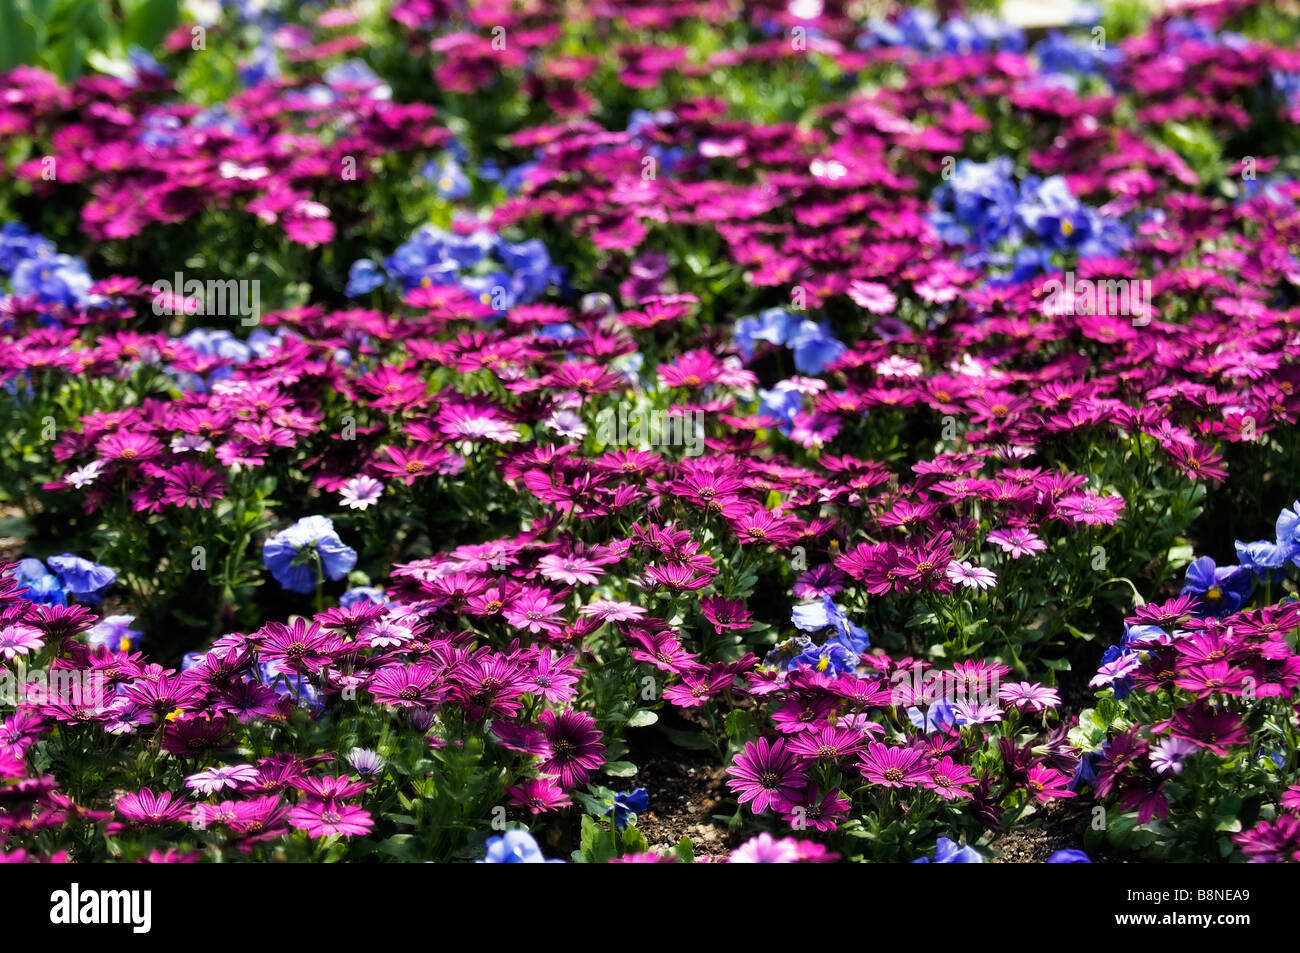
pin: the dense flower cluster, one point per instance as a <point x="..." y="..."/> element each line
<point x="1196" y="711"/>
<point x="529" y="410"/>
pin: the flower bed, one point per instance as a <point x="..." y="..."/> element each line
<point x="436" y="438"/>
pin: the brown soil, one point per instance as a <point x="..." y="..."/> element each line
<point x="686" y="787"/>
<point x="1060" y="826"/>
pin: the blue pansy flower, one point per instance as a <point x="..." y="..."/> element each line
<point x="513" y="847"/>
<point x="81" y="578"/>
<point x="114" y="632"/>
<point x="363" y="594"/>
<point x="781" y="404"/>
<point x="1069" y="856"/>
<point x="940" y="716"/>
<point x="364" y="276"/>
<point x="814" y="347"/>
<point x="448" y="178"/>
<point x="1222" y="589"/>
<point x="631" y="802"/>
<point x="773" y="326"/>
<point x="292" y="554"/>
<point x="947" y="851"/>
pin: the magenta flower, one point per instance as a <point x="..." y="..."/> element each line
<point x="821" y="813"/>
<point x="300" y="646"/>
<point x="1089" y="509"/>
<point x="946" y="779"/>
<point x="766" y="849"/>
<point x="539" y="795"/>
<point x="1272" y="842"/>
<point x="417" y="462"/>
<point x="146" y="807"/>
<point x="1214" y="728"/>
<point x="535" y="610"/>
<point x="726" y="615"/>
<point x="893" y="767"/>
<point x="192" y="486"/>
<point x="128" y="448"/>
<point x="575" y="747"/>
<point x="407" y="686"/>
<point x="324" y="818"/>
<point x="554" y="677"/>
<point x="767" y="775"/>
<point x="676" y="579"/>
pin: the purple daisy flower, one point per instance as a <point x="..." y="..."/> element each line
<point x="766" y="774"/>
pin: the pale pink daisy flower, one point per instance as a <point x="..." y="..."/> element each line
<point x="1017" y="541"/>
<point x="567" y="424"/>
<point x="385" y="634"/>
<point x="611" y="611"/>
<point x="898" y="366"/>
<point x="18" y="639"/>
<point x="570" y="570"/>
<point x="976" y="713"/>
<point x="476" y="422"/>
<point x="1030" y="696"/>
<point x="222" y="776"/>
<point x="1169" y="754"/>
<point x="84" y="476"/>
<point x="969" y="575"/>
<point x="361" y="492"/>
<point x="535" y="610"/>
<point x="1114" y="670"/>
<point x="190" y="443"/>
<point x="873" y="296"/>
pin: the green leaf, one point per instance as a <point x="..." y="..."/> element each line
<point x="620" y="769"/>
<point x="115" y="66"/>
<point x="739" y="725"/>
<point x="148" y="21"/>
<point x="685" y="850"/>
<point x="694" y="740"/>
<point x="18" y="35"/>
<point x="16" y="527"/>
<point x="642" y="719"/>
<point x="398" y="846"/>
<point x="632" y="841"/>
<point x="593" y="845"/>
